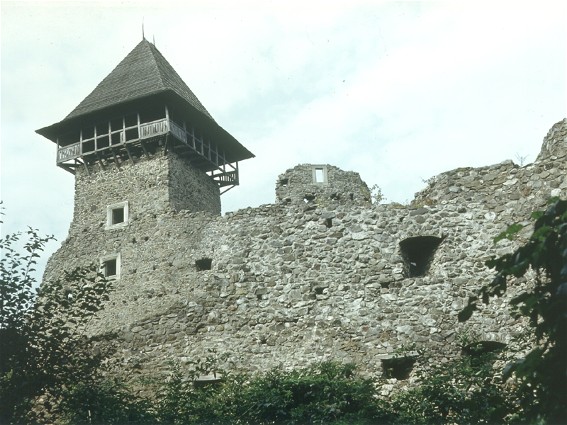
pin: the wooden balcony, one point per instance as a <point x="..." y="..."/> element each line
<point x="185" y="141"/>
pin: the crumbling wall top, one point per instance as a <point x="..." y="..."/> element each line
<point x="555" y="142"/>
<point x="321" y="185"/>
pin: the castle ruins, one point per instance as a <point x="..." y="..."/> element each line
<point x="321" y="274"/>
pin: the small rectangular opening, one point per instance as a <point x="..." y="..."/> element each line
<point x="319" y="175"/>
<point x="203" y="264"/>
<point x="118" y="215"/>
<point x="110" y="268"/>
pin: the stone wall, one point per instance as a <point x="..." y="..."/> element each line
<point x="294" y="282"/>
<point x="191" y="189"/>
<point x="321" y="184"/>
<point x="555" y="142"/>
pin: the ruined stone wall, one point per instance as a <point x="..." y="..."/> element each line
<point x="286" y="289"/>
<point x="555" y="142"/>
<point x="294" y="282"/>
<point x="505" y="186"/>
<point x="321" y="184"/>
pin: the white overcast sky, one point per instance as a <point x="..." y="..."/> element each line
<point x="396" y="90"/>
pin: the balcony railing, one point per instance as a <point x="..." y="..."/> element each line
<point x="65" y="153"/>
<point x="225" y="174"/>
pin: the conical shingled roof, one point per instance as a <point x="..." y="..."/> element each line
<point x="143" y="72"/>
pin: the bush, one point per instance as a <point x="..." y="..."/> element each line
<point x="104" y="402"/>
<point x="463" y="391"/>
<point x="322" y="394"/>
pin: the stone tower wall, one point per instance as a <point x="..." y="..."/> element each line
<point x="309" y="184"/>
<point x="152" y="186"/>
<point x="191" y="189"/>
<point x="293" y="283"/>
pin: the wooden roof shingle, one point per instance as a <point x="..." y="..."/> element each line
<point x="143" y="72"/>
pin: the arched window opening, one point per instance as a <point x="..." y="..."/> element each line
<point x="418" y="253"/>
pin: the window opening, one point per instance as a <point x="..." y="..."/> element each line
<point x="117" y="215"/>
<point x="308" y="198"/>
<point x="203" y="264"/>
<point x="284" y="182"/>
<point x="110" y="269"/>
<point x="418" y="253"/>
<point x="398" y="367"/>
<point x="110" y="266"/>
<point x="319" y="174"/>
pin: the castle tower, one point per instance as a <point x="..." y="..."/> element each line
<point x="143" y="113"/>
<point x="147" y="158"/>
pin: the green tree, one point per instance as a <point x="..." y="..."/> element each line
<point x="43" y="350"/>
<point x="542" y="374"/>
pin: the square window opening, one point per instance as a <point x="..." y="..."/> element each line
<point x="117" y="215"/>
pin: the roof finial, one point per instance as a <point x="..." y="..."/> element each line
<point x="154" y="38"/>
<point x="143" y="35"/>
